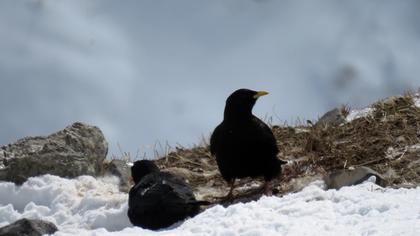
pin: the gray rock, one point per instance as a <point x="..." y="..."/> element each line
<point x="122" y="170"/>
<point x="333" y="117"/>
<point x="341" y="178"/>
<point x="27" y="227"/>
<point x="79" y="149"/>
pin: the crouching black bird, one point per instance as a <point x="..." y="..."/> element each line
<point x="159" y="199"/>
<point x="244" y="145"/>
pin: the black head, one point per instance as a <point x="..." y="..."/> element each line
<point x="142" y="168"/>
<point x="240" y="103"/>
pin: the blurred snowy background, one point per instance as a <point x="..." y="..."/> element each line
<point x="160" y="71"/>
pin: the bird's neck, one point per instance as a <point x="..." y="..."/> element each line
<point x="237" y="114"/>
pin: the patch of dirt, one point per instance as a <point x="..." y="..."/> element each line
<point x="387" y="140"/>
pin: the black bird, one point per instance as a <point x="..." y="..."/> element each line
<point x="159" y="199"/>
<point x="244" y="145"/>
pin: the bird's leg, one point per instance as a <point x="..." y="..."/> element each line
<point x="229" y="196"/>
<point x="268" y="188"/>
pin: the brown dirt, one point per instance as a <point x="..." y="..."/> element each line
<point x="387" y="141"/>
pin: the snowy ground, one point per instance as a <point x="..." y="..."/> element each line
<point x="368" y="111"/>
<point x="417" y="99"/>
<point x="355" y="114"/>
<point x="89" y="206"/>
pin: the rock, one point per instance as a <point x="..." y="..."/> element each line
<point x="392" y="101"/>
<point x="79" y="149"/>
<point x="333" y="117"/>
<point x="27" y="227"/>
<point x="297" y="184"/>
<point x="341" y="178"/>
<point x="188" y="175"/>
<point x="122" y="170"/>
<point x="180" y="172"/>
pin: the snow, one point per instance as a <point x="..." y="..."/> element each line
<point x="355" y="114"/>
<point x="89" y="206"/>
<point x="417" y="100"/>
<point x="84" y="202"/>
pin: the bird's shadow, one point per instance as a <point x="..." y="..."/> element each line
<point x="243" y="197"/>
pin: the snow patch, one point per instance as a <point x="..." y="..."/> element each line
<point x="87" y="206"/>
<point x="416" y="99"/>
<point x="398" y="152"/>
<point x="355" y="114"/>
<point x="84" y="202"/>
<point x="393" y="153"/>
<point x="299" y="130"/>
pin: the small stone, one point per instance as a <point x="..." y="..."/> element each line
<point x="341" y="178"/>
<point x="400" y="139"/>
<point x="79" y="149"/>
<point x="333" y="117"/>
<point x="28" y="227"/>
<point x="122" y="170"/>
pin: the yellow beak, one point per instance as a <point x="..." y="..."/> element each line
<point x="260" y="93"/>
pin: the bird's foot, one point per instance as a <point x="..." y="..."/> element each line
<point x="225" y="199"/>
<point x="268" y="188"/>
<point x="229" y="196"/>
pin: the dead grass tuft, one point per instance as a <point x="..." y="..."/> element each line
<point x="388" y="141"/>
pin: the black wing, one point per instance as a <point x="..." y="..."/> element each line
<point x="215" y="138"/>
<point x="161" y="183"/>
<point x="160" y="200"/>
<point x="265" y="136"/>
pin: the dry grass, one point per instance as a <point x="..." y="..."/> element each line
<point x="384" y="141"/>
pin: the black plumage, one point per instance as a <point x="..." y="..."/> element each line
<point x="159" y="199"/>
<point x="244" y="145"/>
